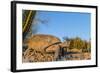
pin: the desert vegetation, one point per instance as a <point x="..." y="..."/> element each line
<point x="78" y="48"/>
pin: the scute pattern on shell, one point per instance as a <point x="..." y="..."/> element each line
<point x="36" y="44"/>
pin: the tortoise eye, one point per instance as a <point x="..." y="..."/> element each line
<point x="25" y="47"/>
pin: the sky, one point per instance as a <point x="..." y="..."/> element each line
<point x="64" y="24"/>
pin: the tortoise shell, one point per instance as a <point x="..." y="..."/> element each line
<point x="39" y="48"/>
<point x="40" y="41"/>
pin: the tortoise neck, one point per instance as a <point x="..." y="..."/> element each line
<point x="51" y="45"/>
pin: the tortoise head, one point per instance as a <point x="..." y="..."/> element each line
<point x="64" y="45"/>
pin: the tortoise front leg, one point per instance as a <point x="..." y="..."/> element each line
<point x="56" y="55"/>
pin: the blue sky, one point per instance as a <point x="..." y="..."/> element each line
<point x="61" y="24"/>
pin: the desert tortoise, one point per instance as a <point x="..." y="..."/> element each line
<point x="44" y="47"/>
